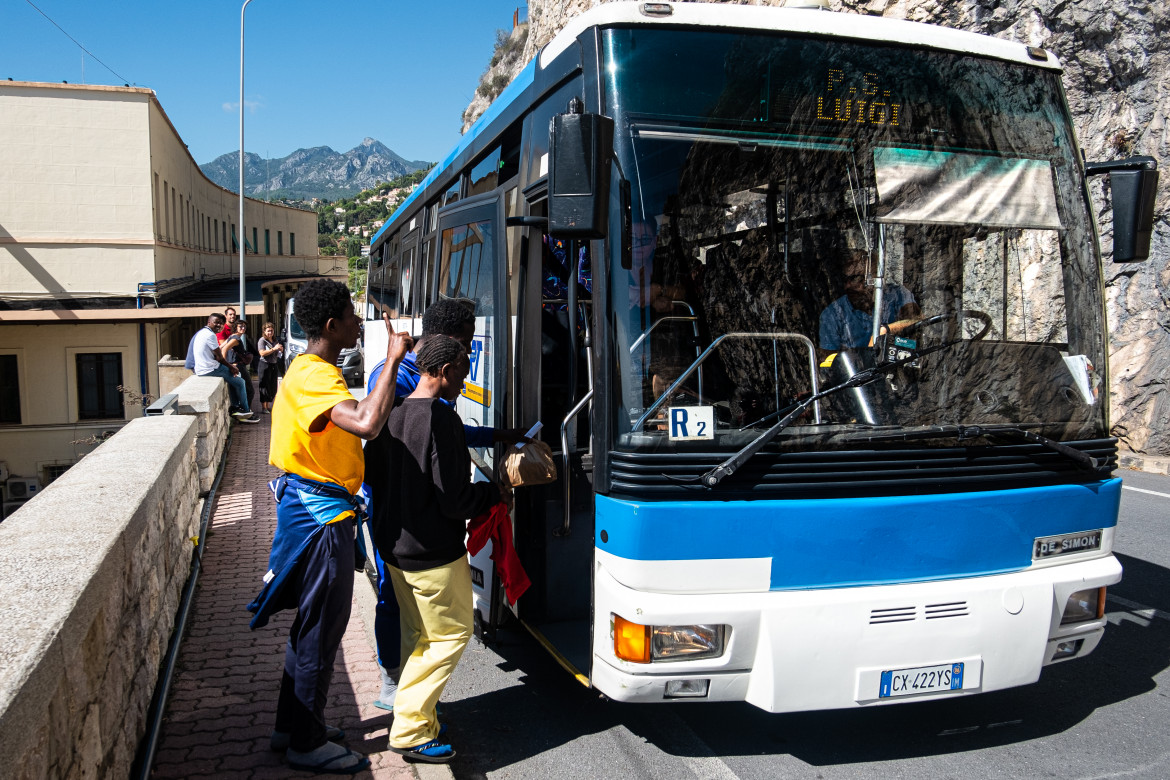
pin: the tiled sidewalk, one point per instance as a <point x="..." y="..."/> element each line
<point x="223" y="698"/>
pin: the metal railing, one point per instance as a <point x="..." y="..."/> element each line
<point x="774" y="336"/>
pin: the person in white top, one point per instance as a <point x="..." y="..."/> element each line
<point x="207" y="360"/>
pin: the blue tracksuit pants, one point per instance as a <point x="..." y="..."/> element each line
<point x="324" y="581"/>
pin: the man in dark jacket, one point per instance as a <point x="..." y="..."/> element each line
<point x="419" y="532"/>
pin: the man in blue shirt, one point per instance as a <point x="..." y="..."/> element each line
<point x="847" y="322"/>
<point x="447" y="317"/>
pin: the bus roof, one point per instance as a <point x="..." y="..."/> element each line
<point x="696" y="15"/>
<point x="798" y="20"/>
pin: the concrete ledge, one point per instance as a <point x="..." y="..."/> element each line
<point x="1154" y="465"/>
<point x="171" y="373"/>
<point x="201" y="394"/>
<point x="91" y="572"/>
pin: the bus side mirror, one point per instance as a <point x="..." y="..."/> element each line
<point x="580" y="147"/>
<point x="1133" y="183"/>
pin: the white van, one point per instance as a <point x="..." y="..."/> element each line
<point x="296" y="342"/>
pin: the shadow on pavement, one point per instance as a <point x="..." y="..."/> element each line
<point x="548" y="709"/>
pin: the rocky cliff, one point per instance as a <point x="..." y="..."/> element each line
<point x="1117" y="62"/>
<point x="319" y="172"/>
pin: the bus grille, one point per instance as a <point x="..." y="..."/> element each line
<point x="853" y="473"/>
<point x="949" y="609"/>
<point x="892" y="615"/>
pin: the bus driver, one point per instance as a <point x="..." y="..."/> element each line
<point x="848" y="321"/>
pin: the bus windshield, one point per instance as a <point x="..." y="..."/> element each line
<point x="802" y="210"/>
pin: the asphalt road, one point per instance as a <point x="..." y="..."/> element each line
<point x="514" y="713"/>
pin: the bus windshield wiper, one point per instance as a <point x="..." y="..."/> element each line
<point x="961" y="432"/>
<point x="733" y="464"/>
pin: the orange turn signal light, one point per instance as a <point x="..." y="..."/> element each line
<point x="631" y="641"/>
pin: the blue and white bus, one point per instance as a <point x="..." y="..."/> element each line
<point x="664" y="222"/>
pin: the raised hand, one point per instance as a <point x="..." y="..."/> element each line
<point x="398" y="345"/>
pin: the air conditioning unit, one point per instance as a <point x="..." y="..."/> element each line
<point x="22" y="488"/>
<point x="10" y="507"/>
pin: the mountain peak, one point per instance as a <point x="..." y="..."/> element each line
<point x="313" y="172"/>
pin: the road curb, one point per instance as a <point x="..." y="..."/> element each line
<point x="433" y="772"/>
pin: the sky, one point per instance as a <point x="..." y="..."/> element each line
<point x="316" y="73"/>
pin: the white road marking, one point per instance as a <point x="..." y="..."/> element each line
<point x="1135" y="608"/>
<point x="1143" y="490"/>
<point x="705" y="767"/>
<point x="1142" y="770"/>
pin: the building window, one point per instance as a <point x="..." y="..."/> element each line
<point x="157" y="210"/>
<point x="267" y="242"/>
<point x="280" y="242"/>
<point x="223" y="229"/>
<point x="292" y="243"/>
<point x="98" y="377"/>
<point x="9" y="391"/>
<point x="53" y="471"/>
<point x="215" y="232"/>
<point x="166" y="205"/>
<point x="255" y="240"/>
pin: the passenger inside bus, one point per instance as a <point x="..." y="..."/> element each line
<point x="665" y="297"/>
<point x="562" y="262"/>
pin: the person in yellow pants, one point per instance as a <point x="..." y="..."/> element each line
<point x="436" y="625"/>
<point x="419" y="533"/>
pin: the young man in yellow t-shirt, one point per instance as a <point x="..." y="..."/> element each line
<point x="317" y="428"/>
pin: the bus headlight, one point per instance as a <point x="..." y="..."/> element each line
<point x="1084" y="605"/>
<point x="642" y="644"/>
<point x="686" y="643"/>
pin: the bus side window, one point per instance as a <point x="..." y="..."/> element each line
<point x="467" y="269"/>
<point x="405" y="288"/>
<point x="427" y="272"/>
<point x="388" y="301"/>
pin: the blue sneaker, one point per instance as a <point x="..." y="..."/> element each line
<point x="433" y="752"/>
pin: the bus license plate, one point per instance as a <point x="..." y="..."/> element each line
<point x="921" y="679"/>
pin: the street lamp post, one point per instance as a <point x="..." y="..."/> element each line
<point x="240" y="236"/>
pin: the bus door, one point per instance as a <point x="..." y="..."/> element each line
<point x="555" y="544"/>
<point x="471" y="248"/>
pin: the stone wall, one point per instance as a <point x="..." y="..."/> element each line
<point x="1116" y="59"/>
<point x="91" y="573"/>
<point x="206" y="397"/>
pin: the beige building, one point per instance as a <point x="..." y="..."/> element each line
<point x="114" y="247"/>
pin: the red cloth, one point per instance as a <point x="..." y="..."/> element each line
<point x="495" y="524"/>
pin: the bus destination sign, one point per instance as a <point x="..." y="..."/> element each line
<point x="857" y="98"/>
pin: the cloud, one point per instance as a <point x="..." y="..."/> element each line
<point x="234" y="107"/>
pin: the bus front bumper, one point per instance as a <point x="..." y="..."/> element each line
<point x="790" y="651"/>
